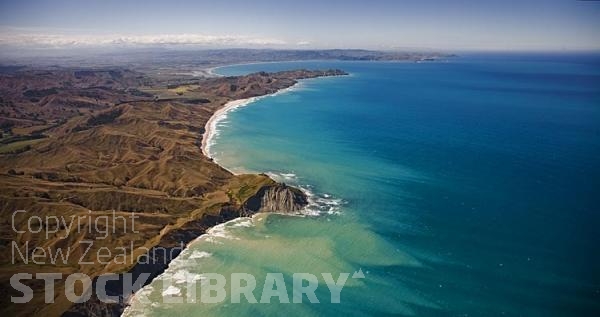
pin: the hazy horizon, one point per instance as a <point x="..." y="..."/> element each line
<point x="466" y="25"/>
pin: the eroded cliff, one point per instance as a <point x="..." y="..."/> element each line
<point x="277" y="198"/>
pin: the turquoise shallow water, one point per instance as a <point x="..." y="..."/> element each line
<point x="460" y="188"/>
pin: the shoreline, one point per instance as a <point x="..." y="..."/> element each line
<point x="216" y="117"/>
<point x="210" y="131"/>
<point x="212" y="70"/>
<point x="210" y="128"/>
<point x="211" y="232"/>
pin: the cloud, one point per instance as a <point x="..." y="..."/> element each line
<point x="10" y="37"/>
<point x="303" y="43"/>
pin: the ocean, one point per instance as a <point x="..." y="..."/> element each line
<point x="463" y="187"/>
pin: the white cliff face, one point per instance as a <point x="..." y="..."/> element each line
<point x="277" y="198"/>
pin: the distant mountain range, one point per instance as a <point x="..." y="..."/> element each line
<point x="205" y="58"/>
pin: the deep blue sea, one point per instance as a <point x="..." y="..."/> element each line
<point x="465" y="187"/>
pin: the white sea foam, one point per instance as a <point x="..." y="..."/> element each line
<point x="184" y="276"/>
<point x="319" y="204"/>
<point x="179" y="277"/>
<point x="223" y="231"/>
<point x="200" y="254"/>
<point x="289" y="175"/>
<point x="283" y="177"/>
<point x="171" y="291"/>
<point x="242" y="222"/>
<point x="220" y="232"/>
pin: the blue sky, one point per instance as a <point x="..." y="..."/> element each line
<point x="375" y="24"/>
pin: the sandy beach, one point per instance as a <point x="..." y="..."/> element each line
<point x="211" y="125"/>
<point x="210" y="128"/>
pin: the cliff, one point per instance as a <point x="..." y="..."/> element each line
<point x="276" y="198"/>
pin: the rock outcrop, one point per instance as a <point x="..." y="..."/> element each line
<point x="277" y="198"/>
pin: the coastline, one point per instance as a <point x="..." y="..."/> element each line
<point x="210" y="129"/>
<point x="217" y="116"/>
<point x="158" y="171"/>
<point x="210" y="233"/>
<point x="267" y="195"/>
<point x="211" y="71"/>
<point x="207" y="137"/>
